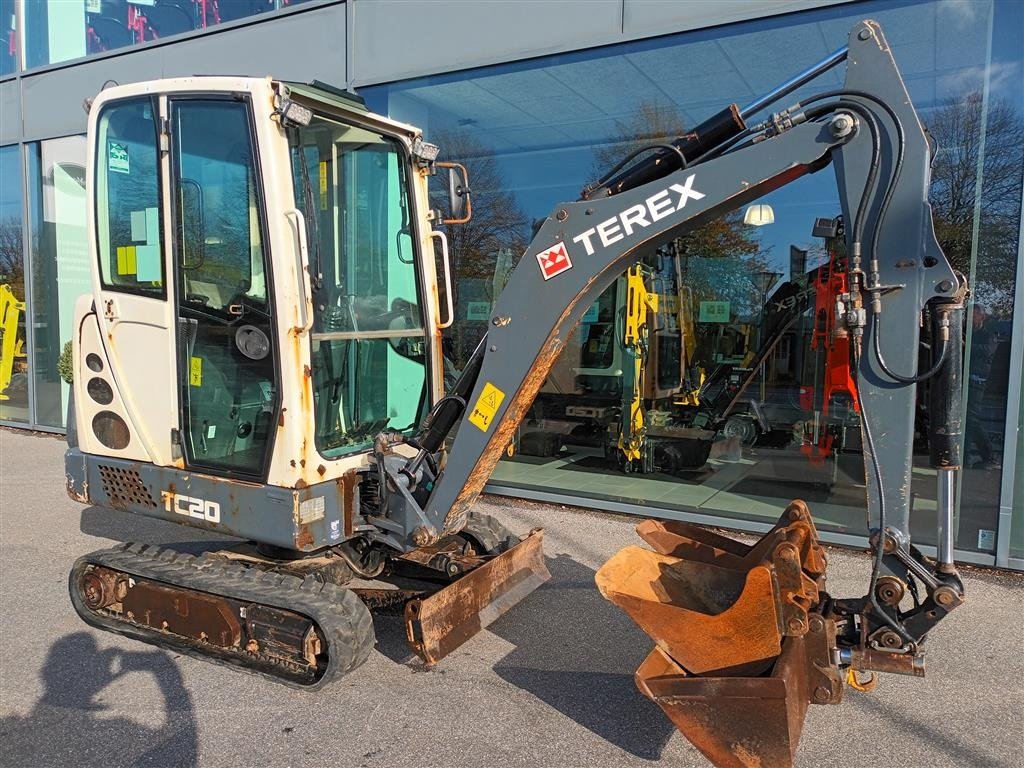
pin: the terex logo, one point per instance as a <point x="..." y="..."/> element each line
<point x="654" y="208"/>
<point x="792" y="302"/>
<point x="208" y="511"/>
<point x="554" y="261"/>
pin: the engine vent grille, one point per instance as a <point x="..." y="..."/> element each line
<point x="124" y="487"/>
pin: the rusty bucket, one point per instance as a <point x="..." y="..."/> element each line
<point x="740" y="650"/>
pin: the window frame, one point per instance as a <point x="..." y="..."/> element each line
<point x="407" y="171"/>
<point x="101" y="255"/>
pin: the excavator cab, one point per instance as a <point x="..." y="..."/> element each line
<point x="193" y="262"/>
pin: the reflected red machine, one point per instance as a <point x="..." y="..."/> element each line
<point x="833" y="376"/>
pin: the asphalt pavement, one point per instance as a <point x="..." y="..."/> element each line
<point x="550" y="684"/>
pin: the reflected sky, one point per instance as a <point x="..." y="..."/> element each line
<point x="10" y="183"/>
<point x="544" y="118"/>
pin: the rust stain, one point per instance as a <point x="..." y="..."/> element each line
<point x="304" y="539"/>
<point x="321" y="470"/>
<point x="346" y="485"/>
<point x="81" y="498"/>
<point x="292" y="462"/>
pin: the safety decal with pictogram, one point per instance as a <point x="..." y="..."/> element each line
<point x="486" y="407"/>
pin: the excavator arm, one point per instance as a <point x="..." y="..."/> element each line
<point x="747" y="631"/>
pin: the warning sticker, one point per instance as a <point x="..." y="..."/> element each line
<point x="195" y="373"/>
<point x="486" y="407"/>
<point x="117" y="157"/>
<point x="554" y="261"/>
<point x="311" y="510"/>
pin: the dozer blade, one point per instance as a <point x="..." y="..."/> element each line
<point x="438" y="624"/>
<point x="740" y="650"/>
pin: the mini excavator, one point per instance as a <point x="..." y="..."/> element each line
<point x="261" y="357"/>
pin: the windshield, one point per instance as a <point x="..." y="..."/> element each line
<point x="368" y="337"/>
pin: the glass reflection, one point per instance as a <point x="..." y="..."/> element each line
<point x="60" y="259"/>
<point x="736" y="345"/>
<point x="59" y="30"/>
<point x="14" y="366"/>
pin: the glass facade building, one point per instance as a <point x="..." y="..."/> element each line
<point x="733" y="306"/>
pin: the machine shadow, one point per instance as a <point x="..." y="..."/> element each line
<point x="941" y="739"/>
<point x="577" y="652"/>
<point x="68" y="726"/>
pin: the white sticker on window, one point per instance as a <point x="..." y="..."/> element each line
<point x="986" y="539"/>
<point x="152" y="227"/>
<point x="139" y="226"/>
<point x="117" y="157"/>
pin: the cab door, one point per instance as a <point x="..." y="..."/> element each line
<point x="134" y="312"/>
<point x="226" y="346"/>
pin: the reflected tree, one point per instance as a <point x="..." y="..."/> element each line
<point x="723" y="258"/>
<point x="12" y="255"/>
<point x="498" y="224"/>
<point x="964" y="133"/>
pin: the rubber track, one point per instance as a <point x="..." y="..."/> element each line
<point x="340" y="615"/>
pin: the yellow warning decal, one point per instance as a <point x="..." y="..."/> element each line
<point x="195" y="373"/>
<point x="486" y="407"/>
<point x="126" y="264"/>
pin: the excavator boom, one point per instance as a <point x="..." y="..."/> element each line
<point x="747" y="637"/>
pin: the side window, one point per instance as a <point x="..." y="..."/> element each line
<point x="128" y="222"/>
<point x="221" y="248"/>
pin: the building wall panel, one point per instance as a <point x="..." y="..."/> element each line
<point x="300" y="46"/>
<point x="10" y="112"/>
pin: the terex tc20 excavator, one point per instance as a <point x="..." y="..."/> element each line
<point x="260" y="357"/>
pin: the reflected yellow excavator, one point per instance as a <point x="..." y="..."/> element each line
<point x="261" y="357"/>
<point x="12" y="344"/>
